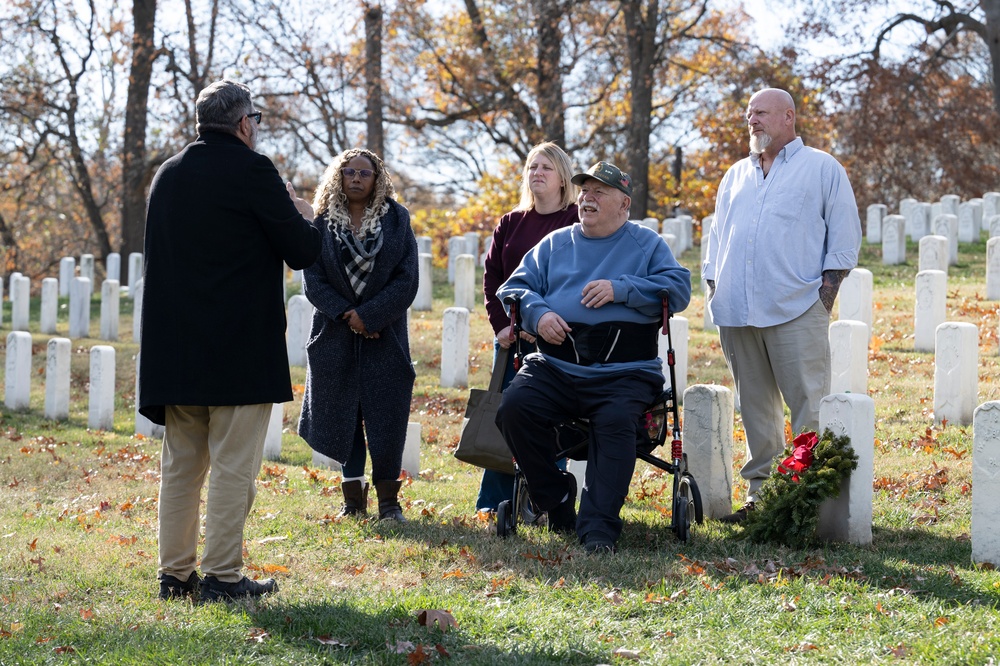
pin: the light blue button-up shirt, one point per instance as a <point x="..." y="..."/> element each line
<point x="773" y="237"/>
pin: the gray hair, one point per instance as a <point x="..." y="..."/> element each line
<point x="221" y="106"/>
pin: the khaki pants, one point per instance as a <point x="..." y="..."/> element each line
<point x="790" y="361"/>
<point x="230" y="440"/>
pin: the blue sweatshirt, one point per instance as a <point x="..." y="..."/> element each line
<point x="635" y="259"/>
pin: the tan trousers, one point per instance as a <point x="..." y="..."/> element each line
<point x="790" y="361"/>
<point x="230" y="440"/>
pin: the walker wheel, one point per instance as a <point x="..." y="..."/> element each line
<point x="699" y="514"/>
<point x="682" y="521"/>
<point x="504" y="519"/>
<point x="684" y="507"/>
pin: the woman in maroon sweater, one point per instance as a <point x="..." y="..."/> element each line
<point x="547" y="204"/>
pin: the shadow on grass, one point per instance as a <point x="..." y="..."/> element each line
<point x="338" y="631"/>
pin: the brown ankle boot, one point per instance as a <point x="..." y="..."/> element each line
<point x="355" y="499"/>
<point x="388" y="500"/>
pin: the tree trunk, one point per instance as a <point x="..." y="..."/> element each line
<point x="550" y="94"/>
<point x="373" y="77"/>
<point x="8" y="262"/>
<point x="641" y="36"/>
<point x="992" y="10"/>
<point x="135" y="174"/>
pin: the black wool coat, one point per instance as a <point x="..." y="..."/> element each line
<point x="219" y="225"/>
<point x="347" y="371"/>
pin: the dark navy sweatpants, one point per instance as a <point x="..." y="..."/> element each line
<point x="539" y="398"/>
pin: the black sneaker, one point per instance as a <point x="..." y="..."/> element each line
<point x="598" y="544"/>
<point x="172" y="587"/>
<point x="562" y="517"/>
<point x="213" y="589"/>
<point x="739" y="515"/>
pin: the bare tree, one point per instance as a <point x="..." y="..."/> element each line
<point x="373" y="78"/>
<point x="949" y="21"/>
<point x="136" y="172"/>
<point x="47" y="100"/>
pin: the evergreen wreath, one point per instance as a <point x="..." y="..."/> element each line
<point x="787" y="510"/>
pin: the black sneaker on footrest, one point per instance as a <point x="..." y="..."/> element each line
<point x="213" y="589"/>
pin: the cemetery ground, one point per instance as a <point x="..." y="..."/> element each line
<point x="78" y="539"/>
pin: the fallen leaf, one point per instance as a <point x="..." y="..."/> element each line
<point x="442" y="618"/>
<point x="33" y="544"/>
<point x="418" y="656"/>
<point x="442" y="651"/>
<point x="614" y="597"/>
<point x="86" y="614"/>
<point x="257" y="635"/>
<point x="64" y="649"/>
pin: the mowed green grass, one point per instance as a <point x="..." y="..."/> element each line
<point x="78" y="540"/>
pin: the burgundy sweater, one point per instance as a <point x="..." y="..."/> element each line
<point x="518" y="232"/>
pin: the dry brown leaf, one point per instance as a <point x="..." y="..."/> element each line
<point x="614" y="597"/>
<point x="442" y="618"/>
<point x="418" y="656"/>
<point x="257" y="635"/>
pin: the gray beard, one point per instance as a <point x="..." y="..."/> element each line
<point x="759" y="143"/>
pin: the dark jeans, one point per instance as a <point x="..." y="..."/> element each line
<point x="539" y="398"/>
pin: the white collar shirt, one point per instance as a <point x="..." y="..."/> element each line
<point x="773" y="237"/>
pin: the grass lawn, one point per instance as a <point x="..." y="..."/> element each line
<point x="78" y="539"/>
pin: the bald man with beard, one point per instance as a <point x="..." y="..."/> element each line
<point x="786" y="234"/>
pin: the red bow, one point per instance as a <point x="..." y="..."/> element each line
<point x="802" y="455"/>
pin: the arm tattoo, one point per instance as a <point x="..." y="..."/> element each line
<point x="831" y="285"/>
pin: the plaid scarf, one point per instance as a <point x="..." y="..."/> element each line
<point x="358" y="255"/>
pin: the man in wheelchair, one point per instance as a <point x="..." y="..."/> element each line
<point x="590" y="294"/>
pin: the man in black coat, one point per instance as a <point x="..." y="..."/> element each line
<point x="220" y="224"/>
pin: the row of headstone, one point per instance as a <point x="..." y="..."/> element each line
<point x="80" y="290"/>
<point x="113" y="265"/>
<point x="17" y="379"/>
<point x="920" y="219"/>
<point x="79" y="308"/>
<point x="100" y="413"/>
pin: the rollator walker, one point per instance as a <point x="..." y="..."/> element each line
<point x="573" y="440"/>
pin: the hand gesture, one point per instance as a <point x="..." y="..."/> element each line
<point x="304" y="207"/>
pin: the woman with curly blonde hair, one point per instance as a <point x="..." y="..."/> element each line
<point x="360" y="378"/>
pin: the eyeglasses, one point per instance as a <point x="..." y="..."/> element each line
<point x="350" y="173"/>
<point x="255" y="116"/>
